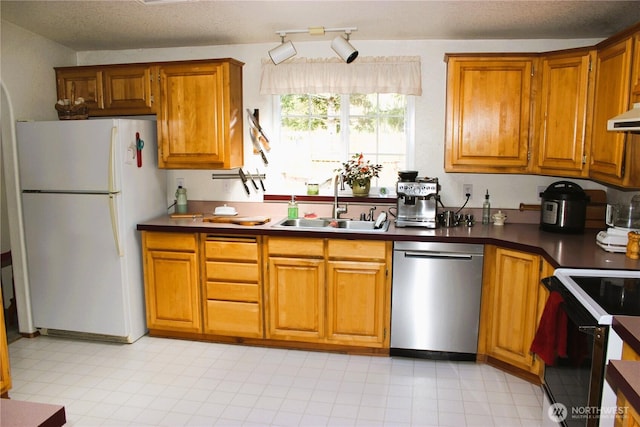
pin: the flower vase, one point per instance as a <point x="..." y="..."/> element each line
<point x="361" y="188"/>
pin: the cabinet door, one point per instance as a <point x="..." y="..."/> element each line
<point x="356" y="298"/>
<point x="514" y="291"/>
<point x="561" y="147"/>
<point x="296" y="299"/>
<point x="172" y="281"/>
<point x="5" y="372"/>
<point x="200" y="116"/>
<point x="80" y="82"/>
<point x="488" y="114"/>
<point x="635" y="69"/>
<point x="613" y="65"/>
<point x="173" y="297"/>
<point x="632" y="156"/>
<point x="127" y="89"/>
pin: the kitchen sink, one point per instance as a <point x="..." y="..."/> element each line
<point x="331" y="224"/>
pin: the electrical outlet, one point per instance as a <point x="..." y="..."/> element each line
<point x="467" y="189"/>
<point x="180" y="182"/>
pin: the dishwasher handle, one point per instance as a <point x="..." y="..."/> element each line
<point x="439" y="255"/>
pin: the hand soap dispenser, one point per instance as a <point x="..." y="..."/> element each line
<point x="292" y="211"/>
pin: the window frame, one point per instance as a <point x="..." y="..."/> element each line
<point x="344" y="117"/>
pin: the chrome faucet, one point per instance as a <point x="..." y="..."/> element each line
<point x="337" y="209"/>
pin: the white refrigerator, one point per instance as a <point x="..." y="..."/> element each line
<point x="83" y="192"/>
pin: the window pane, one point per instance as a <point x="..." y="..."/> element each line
<point x="316" y="144"/>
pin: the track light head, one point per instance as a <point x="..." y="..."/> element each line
<point x="282" y="52"/>
<point x="343" y="48"/>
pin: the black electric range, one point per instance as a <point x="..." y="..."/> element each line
<point x="604" y="293"/>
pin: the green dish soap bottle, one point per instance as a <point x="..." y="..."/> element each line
<point x="292" y="211"/>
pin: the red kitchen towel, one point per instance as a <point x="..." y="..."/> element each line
<point x="551" y="337"/>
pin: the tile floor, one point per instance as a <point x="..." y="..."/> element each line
<point x="165" y="382"/>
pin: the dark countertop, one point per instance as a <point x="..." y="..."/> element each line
<point x="624" y="375"/>
<point x="628" y="328"/>
<point x="560" y="250"/>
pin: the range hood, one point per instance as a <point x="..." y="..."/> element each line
<point x="625" y="122"/>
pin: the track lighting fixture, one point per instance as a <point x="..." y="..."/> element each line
<point x="343" y="48"/>
<point x="340" y="44"/>
<point x="282" y="52"/>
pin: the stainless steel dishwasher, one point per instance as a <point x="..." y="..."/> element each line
<point x="435" y="306"/>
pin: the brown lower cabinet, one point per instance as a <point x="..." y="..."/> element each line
<point x="329" y="291"/>
<point x="232" y="286"/>
<point x="513" y="299"/>
<point x="172" y="281"/>
<point x="296" y="292"/>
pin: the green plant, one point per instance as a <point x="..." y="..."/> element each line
<point x="358" y="170"/>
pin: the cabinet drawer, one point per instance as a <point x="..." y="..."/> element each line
<point x="173" y="241"/>
<point x="243" y="251"/>
<point x="234" y="318"/>
<point x="232" y="271"/>
<point x="242" y="292"/>
<point x="357" y="249"/>
<point x="296" y="247"/>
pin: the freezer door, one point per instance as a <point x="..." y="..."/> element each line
<point x="72" y="155"/>
<point x="75" y="271"/>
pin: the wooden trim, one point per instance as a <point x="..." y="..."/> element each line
<point x="293" y="345"/>
<point x="527" y="376"/>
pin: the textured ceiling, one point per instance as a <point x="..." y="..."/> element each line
<point x="131" y="24"/>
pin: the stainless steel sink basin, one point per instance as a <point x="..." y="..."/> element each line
<point x="329" y="224"/>
<point x="304" y="223"/>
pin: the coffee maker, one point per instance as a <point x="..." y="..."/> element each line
<point x="417" y="203"/>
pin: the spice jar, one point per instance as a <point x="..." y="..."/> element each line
<point x="633" y="245"/>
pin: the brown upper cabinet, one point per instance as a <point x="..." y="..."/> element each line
<point x="127" y="89"/>
<point x="82" y="82"/>
<point x="200" y="115"/>
<point x="545" y="113"/>
<point x="566" y="86"/>
<point x="109" y="90"/>
<point x="613" y="84"/>
<point x="488" y="113"/>
<point x="616" y="155"/>
<point x="198" y="105"/>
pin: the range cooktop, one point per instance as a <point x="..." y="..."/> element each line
<point x="604" y="293"/>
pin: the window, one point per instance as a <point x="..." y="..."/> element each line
<point x="320" y="131"/>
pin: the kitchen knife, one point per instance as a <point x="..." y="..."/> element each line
<point x="244" y="181"/>
<point x="257" y="148"/>
<point x="256" y="133"/>
<point x="253" y="181"/>
<point x="256" y="125"/>
<point x="260" y="179"/>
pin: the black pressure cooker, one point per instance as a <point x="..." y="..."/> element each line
<point x="564" y="208"/>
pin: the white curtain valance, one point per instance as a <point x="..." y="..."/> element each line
<point x="364" y="75"/>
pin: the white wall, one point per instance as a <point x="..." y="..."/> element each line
<point x="507" y="191"/>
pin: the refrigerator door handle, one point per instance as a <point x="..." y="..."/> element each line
<point x="112" y="160"/>
<point x="115" y="225"/>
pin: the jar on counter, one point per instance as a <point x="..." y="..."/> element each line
<point x="313" y="189"/>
